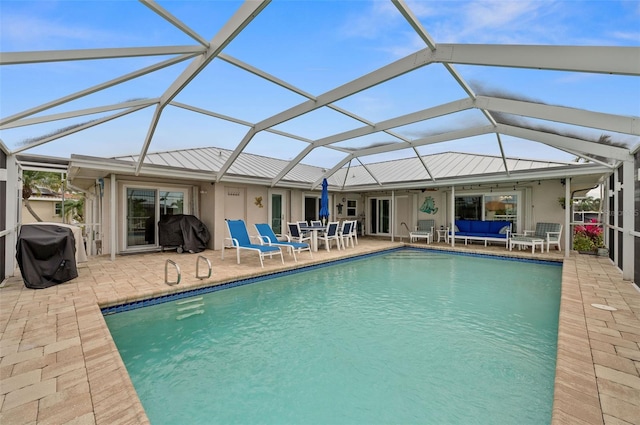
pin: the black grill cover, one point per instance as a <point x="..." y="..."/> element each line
<point x="46" y="255"/>
<point x="183" y="231"/>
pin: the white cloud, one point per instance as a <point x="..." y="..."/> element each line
<point x="23" y="32"/>
<point x="627" y="36"/>
<point x="372" y="22"/>
<point x="495" y="14"/>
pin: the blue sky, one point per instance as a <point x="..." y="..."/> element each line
<point x="315" y="46"/>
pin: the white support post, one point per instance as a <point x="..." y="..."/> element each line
<point x="114" y="217"/>
<point x="453" y="215"/>
<point x="393" y="215"/>
<point x="628" y="220"/>
<point x="12" y="219"/>
<point x="616" y="215"/>
<point x="567" y="217"/>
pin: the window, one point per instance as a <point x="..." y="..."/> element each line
<point x="352" y="208"/>
<point x="57" y="209"/>
<point x="171" y="203"/>
<point x="500" y="207"/>
<point x="469" y="207"/>
<point x="488" y="207"/>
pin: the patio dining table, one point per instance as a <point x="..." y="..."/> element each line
<point x="314" y="234"/>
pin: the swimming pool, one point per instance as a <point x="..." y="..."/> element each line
<point x="407" y="337"/>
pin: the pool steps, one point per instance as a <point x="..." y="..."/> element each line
<point x="190" y="304"/>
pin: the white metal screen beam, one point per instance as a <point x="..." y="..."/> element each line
<point x="79" y="113"/>
<point x="504" y="158"/>
<point x="444" y="137"/>
<point x="411" y="118"/>
<point x="21" y="58"/>
<point x="453" y="135"/>
<point x="258" y="72"/>
<point x="240" y="19"/>
<point x="562" y="114"/>
<point x="422" y="32"/>
<point x="415" y="23"/>
<point x="237" y="121"/>
<point x="395" y="69"/>
<point x="562" y="142"/>
<point x="77" y="129"/>
<point x="174" y="21"/>
<point x="597" y="161"/>
<point x="597" y="59"/>
<point x="94" y="89"/>
<point x="425" y="114"/>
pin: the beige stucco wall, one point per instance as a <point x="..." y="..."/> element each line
<point x="539" y="204"/>
<point x="544" y="203"/>
<point x="207" y="209"/>
<point x="44" y="208"/>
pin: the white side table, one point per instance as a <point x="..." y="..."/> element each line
<point x="442" y="234"/>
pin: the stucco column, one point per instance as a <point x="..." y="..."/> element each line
<point x="11" y="220"/>
<point x="628" y="220"/>
<point x="114" y="217"/>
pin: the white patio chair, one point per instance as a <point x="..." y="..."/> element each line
<point x="331" y="234"/>
<point x="346" y="234"/>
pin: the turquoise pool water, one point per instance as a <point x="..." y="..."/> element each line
<point x="410" y="337"/>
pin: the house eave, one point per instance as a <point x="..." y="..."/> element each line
<point x="595" y="170"/>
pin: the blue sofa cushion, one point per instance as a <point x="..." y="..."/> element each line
<point x="482" y="229"/>
<point x="463" y="225"/>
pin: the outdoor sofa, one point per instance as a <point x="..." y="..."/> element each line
<point x="485" y="231"/>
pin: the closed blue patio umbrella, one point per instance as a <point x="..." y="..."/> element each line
<point x="324" y="200"/>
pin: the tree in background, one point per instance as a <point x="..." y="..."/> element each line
<point x="34" y="181"/>
<point x="74" y="210"/>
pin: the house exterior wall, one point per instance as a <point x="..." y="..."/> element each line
<point x="106" y="218"/>
<point x="44" y="208"/>
<point x="207" y="210"/>
<point x="545" y="205"/>
<point x="538" y="203"/>
<point x="296" y="198"/>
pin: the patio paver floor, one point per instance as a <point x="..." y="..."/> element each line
<point x="59" y="365"/>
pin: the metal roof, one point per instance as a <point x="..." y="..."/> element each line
<point x="444" y="168"/>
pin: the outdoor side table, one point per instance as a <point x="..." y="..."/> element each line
<point x="526" y="241"/>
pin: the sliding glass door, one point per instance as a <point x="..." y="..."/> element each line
<point x="144" y="207"/>
<point x="380" y="216"/>
<point x="141" y="217"/>
<point x="277" y="208"/>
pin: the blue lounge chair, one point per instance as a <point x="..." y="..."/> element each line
<point x="270" y="238"/>
<point x="240" y="240"/>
